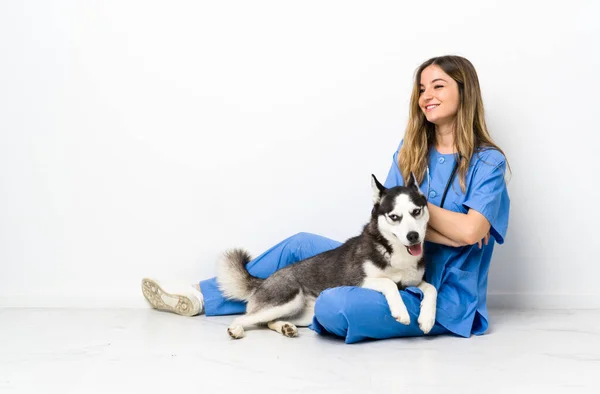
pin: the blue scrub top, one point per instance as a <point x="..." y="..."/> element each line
<point x="460" y="275"/>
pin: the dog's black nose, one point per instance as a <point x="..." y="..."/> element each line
<point x="412" y="236"/>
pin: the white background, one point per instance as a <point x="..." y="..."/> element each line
<point x="142" y="138"/>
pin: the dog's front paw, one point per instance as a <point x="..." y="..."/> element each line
<point x="398" y="309"/>
<point x="403" y="319"/>
<point x="401" y="315"/>
<point x="236" y="331"/>
<point x="426" y="319"/>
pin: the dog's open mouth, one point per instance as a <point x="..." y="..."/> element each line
<point x="415" y="250"/>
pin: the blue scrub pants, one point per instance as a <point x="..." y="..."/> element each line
<point x="353" y="313"/>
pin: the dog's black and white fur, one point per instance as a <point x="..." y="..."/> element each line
<point x="386" y="256"/>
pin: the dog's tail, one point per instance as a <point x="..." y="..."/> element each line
<point x="233" y="278"/>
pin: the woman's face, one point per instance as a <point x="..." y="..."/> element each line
<point x="439" y="98"/>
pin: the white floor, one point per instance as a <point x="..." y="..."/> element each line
<point x="145" y="351"/>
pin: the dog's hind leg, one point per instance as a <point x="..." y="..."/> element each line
<point x="303" y="319"/>
<point x="284" y="327"/>
<point x="266" y="314"/>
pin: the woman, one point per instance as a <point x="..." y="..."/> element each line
<point x="461" y="171"/>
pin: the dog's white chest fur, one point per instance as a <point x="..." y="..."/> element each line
<point x="407" y="274"/>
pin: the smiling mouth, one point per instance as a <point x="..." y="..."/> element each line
<point x="430" y="107"/>
<point x="415" y="250"/>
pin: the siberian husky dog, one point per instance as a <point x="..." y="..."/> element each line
<point x="386" y="256"/>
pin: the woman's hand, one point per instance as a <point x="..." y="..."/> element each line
<point x="484" y="241"/>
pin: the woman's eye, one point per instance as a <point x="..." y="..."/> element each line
<point x="438" y="86"/>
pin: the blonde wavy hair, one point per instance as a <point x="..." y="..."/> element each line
<point x="471" y="133"/>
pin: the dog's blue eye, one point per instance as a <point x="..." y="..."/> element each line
<point x="395" y="218"/>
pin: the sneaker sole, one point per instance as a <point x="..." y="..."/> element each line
<point x="156" y="295"/>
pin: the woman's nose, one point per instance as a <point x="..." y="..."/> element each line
<point x="427" y="94"/>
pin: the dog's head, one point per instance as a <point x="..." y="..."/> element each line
<point x="401" y="214"/>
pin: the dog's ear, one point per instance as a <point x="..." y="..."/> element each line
<point x="378" y="189"/>
<point x="412" y="182"/>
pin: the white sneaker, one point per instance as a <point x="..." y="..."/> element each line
<point x="183" y="300"/>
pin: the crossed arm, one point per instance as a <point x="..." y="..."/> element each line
<point x="455" y="228"/>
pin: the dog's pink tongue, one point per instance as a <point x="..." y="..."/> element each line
<point x="415" y="250"/>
